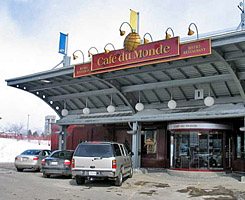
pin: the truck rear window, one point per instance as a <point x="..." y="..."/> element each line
<point x="94" y="150"/>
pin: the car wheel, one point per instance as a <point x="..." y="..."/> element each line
<point x="119" y="179"/>
<point x="131" y="172"/>
<point x="46" y="175"/>
<point x="80" y="180"/>
<point x="19" y="169"/>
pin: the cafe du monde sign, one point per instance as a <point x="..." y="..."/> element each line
<point x="145" y="54"/>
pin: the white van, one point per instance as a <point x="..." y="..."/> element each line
<point x="101" y="160"/>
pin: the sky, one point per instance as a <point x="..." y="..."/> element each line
<point x="29" y="37"/>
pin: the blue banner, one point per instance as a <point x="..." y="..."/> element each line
<point x="62" y="46"/>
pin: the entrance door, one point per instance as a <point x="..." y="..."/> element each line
<point x="149" y="148"/>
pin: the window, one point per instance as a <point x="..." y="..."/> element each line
<point x="150" y="142"/>
<point x="94" y="150"/>
<point x="31" y="152"/>
<point x="238" y="147"/>
<point x="117" y="150"/>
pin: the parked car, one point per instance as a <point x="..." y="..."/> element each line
<point x="58" y="163"/>
<point x="31" y="159"/>
<point x="101" y="160"/>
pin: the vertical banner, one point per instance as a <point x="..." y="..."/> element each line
<point x="133" y="19"/>
<point x="62" y="45"/>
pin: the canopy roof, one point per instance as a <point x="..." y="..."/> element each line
<point x="221" y="74"/>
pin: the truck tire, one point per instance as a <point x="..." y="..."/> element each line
<point x="46" y="175"/>
<point x="19" y="169"/>
<point x="131" y="172"/>
<point x="119" y="179"/>
<point x="80" y="180"/>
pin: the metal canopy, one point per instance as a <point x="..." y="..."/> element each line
<point x="221" y="74"/>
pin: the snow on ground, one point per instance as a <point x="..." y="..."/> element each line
<point x="9" y="148"/>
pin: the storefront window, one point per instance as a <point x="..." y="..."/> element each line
<point x="196" y="150"/>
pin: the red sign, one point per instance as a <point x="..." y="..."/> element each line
<point x="82" y="70"/>
<point x="187" y="50"/>
<point x="151" y="51"/>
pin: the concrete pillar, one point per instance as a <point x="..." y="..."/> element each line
<point x="136" y="146"/>
<point x="62" y="137"/>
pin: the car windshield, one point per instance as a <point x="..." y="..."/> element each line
<point x="31" y="152"/>
<point x="94" y="150"/>
<point x="62" y="154"/>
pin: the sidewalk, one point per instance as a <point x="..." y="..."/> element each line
<point x="219" y="187"/>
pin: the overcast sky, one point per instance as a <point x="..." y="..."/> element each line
<point x="29" y="37"/>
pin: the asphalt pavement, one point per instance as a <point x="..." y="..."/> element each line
<point x="145" y="184"/>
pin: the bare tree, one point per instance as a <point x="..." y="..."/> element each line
<point x="15" y="128"/>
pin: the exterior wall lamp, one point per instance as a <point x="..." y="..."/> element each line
<point x="146" y="41"/>
<point x="168" y="36"/>
<point x="107" y="50"/>
<point x="132" y="40"/>
<point x="90" y="54"/>
<point x="191" y="32"/>
<point x="75" y="57"/>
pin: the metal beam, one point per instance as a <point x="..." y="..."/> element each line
<point x="118" y="91"/>
<point x="141" y="87"/>
<point x="232" y="73"/>
<point x="176" y="83"/>
<point x="82" y="94"/>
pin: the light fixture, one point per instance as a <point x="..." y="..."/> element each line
<point x="64" y="112"/>
<point x="86" y="110"/>
<point x="75" y="57"/>
<point x="90" y="54"/>
<point x="146" y="41"/>
<point x="191" y="32"/>
<point x="209" y="101"/>
<point x="139" y="106"/>
<point x="107" y="50"/>
<point x="172" y="104"/>
<point x="111" y="108"/>
<point x="122" y="33"/>
<point x="168" y="36"/>
<point x="132" y="40"/>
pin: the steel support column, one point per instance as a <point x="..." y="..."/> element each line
<point x="62" y="137"/>
<point x="136" y="146"/>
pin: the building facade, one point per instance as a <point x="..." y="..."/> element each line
<point x="177" y="105"/>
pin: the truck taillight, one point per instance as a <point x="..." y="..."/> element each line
<point x="67" y="162"/>
<point x="43" y="162"/>
<point x="114" y="164"/>
<point x="36" y="158"/>
<point x="73" y="163"/>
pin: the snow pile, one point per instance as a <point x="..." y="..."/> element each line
<point x="9" y="148"/>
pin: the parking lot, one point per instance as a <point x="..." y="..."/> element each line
<point x="154" y="185"/>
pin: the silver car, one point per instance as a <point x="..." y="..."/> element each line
<point x="31" y="159"/>
<point x="101" y="160"/>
